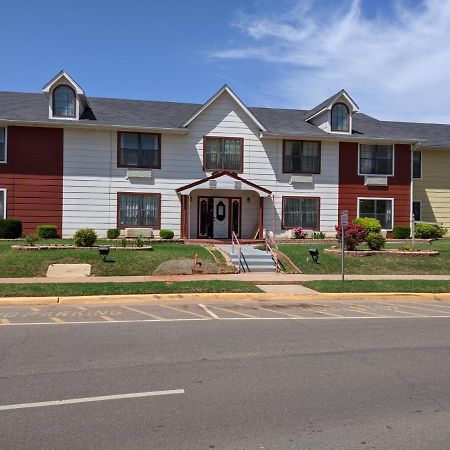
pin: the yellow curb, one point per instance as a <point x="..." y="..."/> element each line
<point x="161" y="298"/>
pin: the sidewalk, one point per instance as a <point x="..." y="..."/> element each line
<point x="252" y="277"/>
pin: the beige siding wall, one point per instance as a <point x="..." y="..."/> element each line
<point x="433" y="189"/>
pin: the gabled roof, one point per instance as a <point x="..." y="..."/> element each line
<point x="329" y="102"/>
<point x="63" y="74"/>
<point x="224" y="175"/>
<point x="225" y="89"/>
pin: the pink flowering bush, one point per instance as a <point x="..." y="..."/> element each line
<point x="354" y="235"/>
<point x="299" y="233"/>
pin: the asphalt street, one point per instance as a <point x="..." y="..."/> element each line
<point x="349" y="375"/>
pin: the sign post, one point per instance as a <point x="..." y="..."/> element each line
<point x="344" y="223"/>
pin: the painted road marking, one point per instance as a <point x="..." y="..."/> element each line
<point x="362" y="310"/>
<point x="235" y="312"/>
<point x="55" y="319"/>
<point x="278" y="312"/>
<point x="418" y="307"/>
<point x="107" y="318"/>
<point x="319" y="312"/>
<point x="81" y="308"/>
<point x="396" y="309"/>
<point x="5" y="321"/>
<point x="144" y="313"/>
<point x="185" y="312"/>
<point x="71" y="401"/>
<point x="208" y="311"/>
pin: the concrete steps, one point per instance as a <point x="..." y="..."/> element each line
<point x="257" y="260"/>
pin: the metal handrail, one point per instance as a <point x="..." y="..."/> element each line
<point x="271" y="246"/>
<point x="235" y="241"/>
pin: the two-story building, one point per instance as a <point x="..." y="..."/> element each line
<point x="202" y="170"/>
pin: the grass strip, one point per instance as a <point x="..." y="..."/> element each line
<point x="154" y="287"/>
<point x="420" y="286"/>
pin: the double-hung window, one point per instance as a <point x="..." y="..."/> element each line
<point x="2" y="203"/>
<point x="2" y="144"/>
<point x="139" y="150"/>
<point x="301" y="157"/>
<point x="223" y="153"/>
<point x="139" y="210"/>
<point x="301" y="212"/>
<point x="376" y="160"/>
<point x="377" y="208"/>
<point x="417" y="164"/>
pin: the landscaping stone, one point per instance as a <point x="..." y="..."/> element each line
<point x="69" y="270"/>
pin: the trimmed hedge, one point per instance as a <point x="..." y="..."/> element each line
<point x="85" y="237"/>
<point x="47" y="231"/>
<point x="401" y="232"/>
<point x="113" y="233"/>
<point x="166" y="234"/>
<point x="371" y="224"/>
<point x="429" y="231"/>
<point x="10" y="228"/>
<point x="375" y="241"/>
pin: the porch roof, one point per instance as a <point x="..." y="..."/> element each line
<point x="224" y="180"/>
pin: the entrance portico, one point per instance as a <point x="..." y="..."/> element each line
<point x="217" y="206"/>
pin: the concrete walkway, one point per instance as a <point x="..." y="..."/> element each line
<point x="256" y="278"/>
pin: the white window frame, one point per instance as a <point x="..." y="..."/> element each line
<point x="379" y="198"/>
<point x="421" y="165"/>
<point x="375" y="174"/>
<point x="412" y="207"/>
<point x="5" y="198"/>
<point x="5" y="161"/>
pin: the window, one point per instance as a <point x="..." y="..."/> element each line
<point x="223" y="153"/>
<point x="63" y="101"/>
<point x="301" y="212"/>
<point x="378" y="208"/>
<point x="2" y="203"/>
<point x="417" y="164"/>
<point x="139" y="210"/>
<point x="301" y="157"/>
<point x="340" y="117"/>
<point x="139" y="150"/>
<point x="376" y="160"/>
<point x="417" y="210"/>
<point x="2" y="144"/>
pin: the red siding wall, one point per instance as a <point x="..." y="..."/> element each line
<point x="351" y="186"/>
<point x="33" y="176"/>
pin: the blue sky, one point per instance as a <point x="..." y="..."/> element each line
<point x="393" y="57"/>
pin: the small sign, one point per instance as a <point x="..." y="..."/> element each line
<point x="344" y="218"/>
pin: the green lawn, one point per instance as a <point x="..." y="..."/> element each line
<point x="376" y="264"/>
<point x="24" y="263"/>
<point x="427" y="286"/>
<point x="156" y="287"/>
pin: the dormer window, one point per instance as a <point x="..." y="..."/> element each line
<point x="64" y="101"/>
<point x="340" y="118"/>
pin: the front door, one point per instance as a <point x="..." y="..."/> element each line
<point x="220" y="218"/>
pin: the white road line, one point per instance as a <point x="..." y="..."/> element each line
<point x="418" y="307"/>
<point x="208" y="311"/>
<point x="71" y="401"/>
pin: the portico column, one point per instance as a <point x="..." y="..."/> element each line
<point x="261" y="218"/>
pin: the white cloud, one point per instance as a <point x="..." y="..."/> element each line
<point x="396" y="66"/>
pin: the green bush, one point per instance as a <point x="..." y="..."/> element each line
<point x="113" y="233"/>
<point x="371" y="224"/>
<point x="166" y="234"/>
<point x="400" y="232"/>
<point x="31" y="239"/>
<point x="139" y="242"/>
<point x="47" y="231"/>
<point x="10" y="228"/>
<point x="85" y="237"/>
<point x="375" y="241"/>
<point x="429" y="231"/>
<point x="317" y="235"/>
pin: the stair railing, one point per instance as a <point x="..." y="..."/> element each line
<point x="272" y="248"/>
<point x="241" y="257"/>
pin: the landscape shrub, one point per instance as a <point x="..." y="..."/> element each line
<point x="429" y="231"/>
<point x="139" y="242"/>
<point x="371" y="224"/>
<point x="400" y="232"/>
<point x="299" y="233"/>
<point x="10" y="228"/>
<point x="31" y="239"/>
<point x="123" y="242"/>
<point x="375" y="241"/>
<point x="113" y="233"/>
<point x="166" y="234"/>
<point x="318" y="235"/>
<point x="354" y="235"/>
<point x="85" y="237"/>
<point x="47" y="231"/>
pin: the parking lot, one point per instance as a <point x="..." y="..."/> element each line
<point x="251" y="310"/>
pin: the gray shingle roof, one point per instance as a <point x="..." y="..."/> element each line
<point x="154" y="114"/>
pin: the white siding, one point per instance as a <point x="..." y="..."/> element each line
<point x="92" y="179"/>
